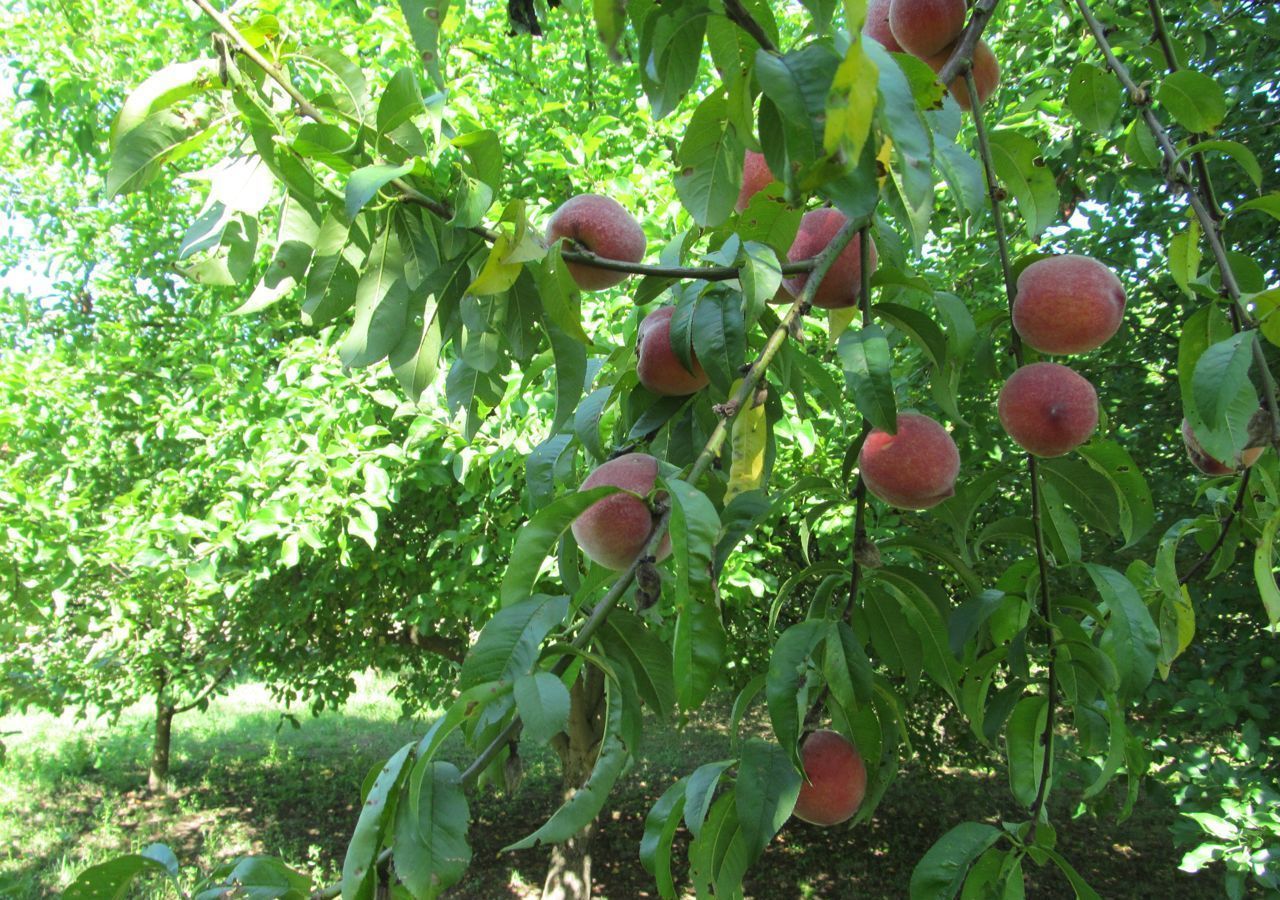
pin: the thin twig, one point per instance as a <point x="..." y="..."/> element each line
<point x="994" y="194"/>
<point x="1225" y="523"/>
<point x="739" y="15"/>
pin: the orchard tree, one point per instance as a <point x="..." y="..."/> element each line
<point x="953" y="209"/>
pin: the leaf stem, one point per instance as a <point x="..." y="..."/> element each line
<point x="994" y="194"/>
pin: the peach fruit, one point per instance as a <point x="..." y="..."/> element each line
<point x="843" y="283"/>
<point x="657" y="365"/>
<point x="755" y="178"/>
<point x="925" y="27"/>
<point x="986" y="73"/>
<point x="1048" y="409"/>
<point x="1067" y="304"/>
<point x="877" y="25"/>
<point x="612" y="532"/>
<point x="600" y="225"/>
<point x="835" y="779"/>
<point x="913" y="469"/>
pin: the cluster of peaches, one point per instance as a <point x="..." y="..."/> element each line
<point x="930" y="30"/>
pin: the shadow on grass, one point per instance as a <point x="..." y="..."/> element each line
<point x="294" y="793"/>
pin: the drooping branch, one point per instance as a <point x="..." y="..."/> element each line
<point x="961" y="60"/>
<point x="409" y="194"/>
<point x="994" y="195"/>
<point x="1181" y="183"/>
<point x="737" y="403"/>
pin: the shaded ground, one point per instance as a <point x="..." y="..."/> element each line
<point x="69" y="798"/>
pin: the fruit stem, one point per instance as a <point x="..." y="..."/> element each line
<point x="1033" y="467"/>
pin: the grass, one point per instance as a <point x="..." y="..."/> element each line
<point x="246" y="781"/>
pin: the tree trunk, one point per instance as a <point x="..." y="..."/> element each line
<point x="158" y="777"/>
<point x="569" y="877"/>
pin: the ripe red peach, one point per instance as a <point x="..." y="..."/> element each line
<point x="925" y="27"/>
<point x="843" y="283"/>
<point x="1067" y="304"/>
<point x="836" y="779"/>
<point x="1209" y="465"/>
<point x="755" y="178"/>
<point x="913" y="469"/>
<point x="657" y="365"/>
<point x="600" y="225"/>
<point x="1048" y="409"/>
<point x="612" y="532"/>
<point x="877" y="25"/>
<point x="986" y="73"/>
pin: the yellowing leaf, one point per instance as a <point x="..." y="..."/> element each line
<point x="747" y="445"/>
<point x="496" y="276"/>
<point x="851" y="103"/>
<point x="838" y="321"/>
<point x="884" y="157"/>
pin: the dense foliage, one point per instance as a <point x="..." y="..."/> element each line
<point x="287" y="504"/>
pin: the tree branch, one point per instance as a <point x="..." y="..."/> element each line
<point x="1180" y="182"/>
<point x="739" y="15"/>
<point x="994" y="195"/>
<point x="961" y="60"/>
<point x="204" y="694"/>
<point x="1226" y="521"/>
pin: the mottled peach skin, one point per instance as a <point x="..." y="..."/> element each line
<point x="843" y="283"/>
<point x="613" y="531"/>
<point x="836" y="779"/>
<point x="913" y="469"/>
<point x="877" y="25"/>
<point x="986" y="73"/>
<point x="1068" y="304"/>
<point x="755" y="178"/>
<point x="1049" y="410"/>
<point x="657" y="365"/>
<point x="925" y="27"/>
<point x="1209" y="465"/>
<point x="600" y="225"/>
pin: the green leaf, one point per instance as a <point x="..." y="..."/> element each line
<point x="1195" y="100"/>
<point x="1130" y="638"/>
<point x="1222" y="375"/>
<point x="698" y="651"/>
<point x="364" y="184"/>
<point x="1184" y="256"/>
<point x="1078" y="884"/>
<point x="709" y="172"/>
<point x="719" y="338"/>
<point x="626" y="638"/>
<point x="694" y="526"/>
<point x="701" y="791"/>
<point x="1269" y="204"/>
<point x="543" y="702"/>
<point x="1264" y="570"/>
<point x="846" y="668"/>
<point x="940" y="872"/>
<point x="538" y="538"/>
<point x="718" y="856"/>
<point x="1113" y="462"/>
<point x="508" y="644"/>
<point x="1019" y="167"/>
<point x="1094" y="97"/>
<point x="429" y="849"/>
<point x="401" y="101"/>
<point x="670" y="52"/>
<point x="295" y="243"/>
<point x="424" y="18"/>
<point x="585" y="803"/>
<point x="786" y="684"/>
<point x="260" y="878"/>
<point x="611" y="22"/>
<point x="160" y="90"/>
<point x="766" y="791"/>
<point x="851" y="103"/>
<point x="868" y="369"/>
<point x="160" y="138"/>
<point x="111" y="880"/>
<point x="660" y="827"/>
<point x="359" y="874"/>
<point x="382" y="304"/>
<point x="1242" y="155"/>
<point x="1024" y="749"/>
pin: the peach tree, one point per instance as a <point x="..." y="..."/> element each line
<point x="859" y="221"/>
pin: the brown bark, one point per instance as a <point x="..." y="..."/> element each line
<point x="569" y="877"/>
<point x="158" y="776"/>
